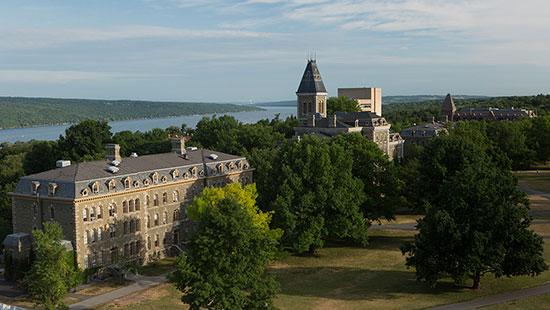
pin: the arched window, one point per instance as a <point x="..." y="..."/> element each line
<point x="155" y="200"/>
<point x="86" y="237"/>
<point x="94" y="236"/>
<point x="165" y="198"/>
<point x="138" y="225"/>
<point x="148" y="221"/>
<point x="125" y="206"/>
<point x="137" y="204"/>
<point x="176" y="196"/>
<point x="131" y="208"/>
<point x="156" y="219"/>
<point x="176" y="215"/>
<point x="112" y="209"/>
<point x="92" y="213"/>
<point x="164" y="217"/>
<point x="148" y="242"/>
<point x="155" y="177"/>
<point x="85" y="215"/>
<point x="112" y="231"/>
<point x="125" y="226"/>
<point x="100" y="212"/>
<point x="146" y="202"/>
<point x="127" y="182"/>
<point x="132" y="226"/>
<point x="95" y="187"/>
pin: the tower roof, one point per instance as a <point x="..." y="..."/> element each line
<point x="449" y="104"/>
<point x="311" y="80"/>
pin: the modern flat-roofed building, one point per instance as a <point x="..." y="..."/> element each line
<point x="124" y="209"/>
<point x="369" y="99"/>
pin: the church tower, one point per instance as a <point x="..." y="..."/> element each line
<point x="312" y="95"/>
<point x="448" y="109"/>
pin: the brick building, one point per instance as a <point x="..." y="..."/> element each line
<point x="124" y="209"/>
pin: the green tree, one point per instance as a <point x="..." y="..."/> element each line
<point x="378" y="174"/>
<point x="41" y="157"/>
<point x="226" y="259"/>
<point x="341" y="104"/>
<point x="219" y="134"/>
<point x="53" y="272"/>
<point x="538" y="136"/>
<point x="476" y="221"/>
<point x="510" y="138"/>
<point x="314" y="195"/>
<point x="85" y="140"/>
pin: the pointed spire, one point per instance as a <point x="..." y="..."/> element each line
<point x="311" y="80"/>
<point x="448" y="108"/>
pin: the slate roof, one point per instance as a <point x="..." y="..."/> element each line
<point x="449" y="104"/>
<point x="311" y="80"/>
<point x="129" y="165"/>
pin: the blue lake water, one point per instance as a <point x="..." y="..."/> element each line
<point x="53" y="132"/>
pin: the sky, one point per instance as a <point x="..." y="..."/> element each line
<point x="256" y="50"/>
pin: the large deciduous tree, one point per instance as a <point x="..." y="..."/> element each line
<point x="85" y="140"/>
<point x="341" y="104"/>
<point x="476" y="221"/>
<point x="314" y="195"/>
<point x="226" y="259"/>
<point x="53" y="272"/>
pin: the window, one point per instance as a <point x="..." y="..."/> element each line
<point x="92" y="214"/>
<point x="86" y="260"/>
<point x="112" y="231"/>
<point x="85" y="215"/>
<point x="95" y="187"/>
<point x="127" y="182"/>
<point x="175" y="196"/>
<point x="148" y="221"/>
<point x="146" y="182"/>
<point x="125" y="206"/>
<point x="125" y="225"/>
<point x="155" y="200"/>
<point x="112" y="209"/>
<point x="52" y="212"/>
<point x="155" y="177"/>
<point x="156" y="219"/>
<point x="111" y="184"/>
<point x="137" y="204"/>
<point x="164" y="217"/>
<point x="132" y="226"/>
<point x="164" y="179"/>
<point x="148" y="242"/>
<point x="99" y="237"/>
<point x="34" y="187"/>
<point x="126" y="250"/>
<point x="99" y="212"/>
<point x="86" y="233"/>
<point x="131" y="207"/>
<point x="94" y="235"/>
<point x="114" y="255"/>
<point x="136" y="184"/>
<point x="138" y="225"/>
<point x="52" y="188"/>
<point x="175" y="173"/>
<point x="156" y="240"/>
<point x="146" y="202"/>
<point x="176" y="215"/>
<point x="164" y="198"/>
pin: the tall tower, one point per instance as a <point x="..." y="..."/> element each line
<point x="312" y="95"/>
<point x="448" y="108"/>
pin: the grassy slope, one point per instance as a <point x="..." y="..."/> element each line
<point x="375" y="277"/>
<point x="21" y="112"/>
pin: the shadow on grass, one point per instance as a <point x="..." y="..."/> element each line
<point x="353" y="283"/>
<point x="387" y="242"/>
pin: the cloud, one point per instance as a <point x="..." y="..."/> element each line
<point x="66" y="76"/>
<point x="40" y="37"/>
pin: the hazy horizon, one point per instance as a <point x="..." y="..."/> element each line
<point x="236" y="51"/>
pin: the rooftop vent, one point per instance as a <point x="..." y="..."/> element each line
<point x="62" y="163"/>
<point x="134" y="155"/>
<point x="113" y="169"/>
<point x="213" y="156"/>
<point x="192" y="148"/>
<point x="185" y="156"/>
<point x="115" y="163"/>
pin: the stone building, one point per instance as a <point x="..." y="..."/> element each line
<point x="450" y="113"/>
<point x="314" y="119"/>
<point x="421" y="134"/>
<point x="124" y="209"/>
<point x="369" y="99"/>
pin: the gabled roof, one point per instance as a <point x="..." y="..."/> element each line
<point x="311" y="80"/>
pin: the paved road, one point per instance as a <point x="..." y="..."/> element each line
<point x="141" y="283"/>
<point x="498" y="299"/>
<point x="402" y="226"/>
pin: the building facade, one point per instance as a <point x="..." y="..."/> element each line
<point x="124" y="209"/>
<point x="450" y="113"/>
<point x="369" y="99"/>
<point x="369" y="124"/>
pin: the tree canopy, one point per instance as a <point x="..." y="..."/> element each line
<point x="341" y="104"/>
<point x="224" y="266"/>
<point x="476" y="218"/>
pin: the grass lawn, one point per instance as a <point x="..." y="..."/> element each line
<point x="375" y="277"/>
<point x="159" y="267"/>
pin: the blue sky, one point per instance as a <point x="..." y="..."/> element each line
<point x="213" y="50"/>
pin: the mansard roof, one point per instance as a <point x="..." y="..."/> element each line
<point x="311" y="80"/>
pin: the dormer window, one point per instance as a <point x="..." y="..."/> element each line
<point x="146" y="182"/>
<point x="194" y="172"/>
<point x="34" y="187"/>
<point x="175" y="173"/>
<point x="187" y="175"/>
<point x="164" y="179"/>
<point x="84" y="192"/>
<point x="136" y="184"/>
<point x="52" y="188"/>
<point x="95" y="187"/>
<point x="220" y="168"/>
<point x="127" y="182"/>
<point x="111" y="184"/>
<point x="155" y="177"/>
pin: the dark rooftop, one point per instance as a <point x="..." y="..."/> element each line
<point x="311" y="80"/>
<point x="129" y="165"/>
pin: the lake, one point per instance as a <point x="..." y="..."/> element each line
<point x="53" y="132"/>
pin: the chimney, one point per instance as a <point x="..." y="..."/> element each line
<point x="333" y="121"/>
<point x="113" y="152"/>
<point x="178" y="145"/>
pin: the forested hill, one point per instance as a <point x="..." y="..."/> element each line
<point x="25" y="112"/>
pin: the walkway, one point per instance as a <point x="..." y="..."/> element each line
<point x="498" y="299"/>
<point x="141" y="283"/>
